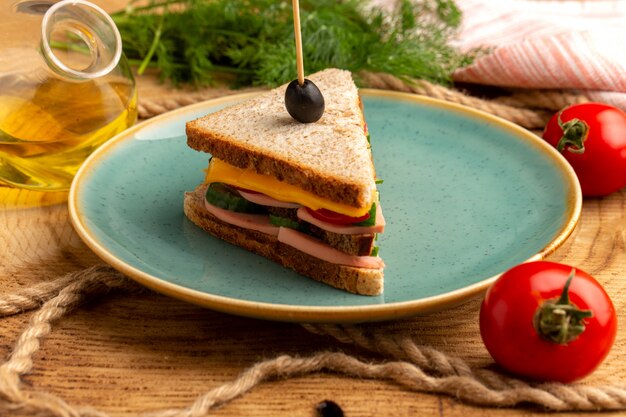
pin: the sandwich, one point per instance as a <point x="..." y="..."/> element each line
<point x="301" y="194"/>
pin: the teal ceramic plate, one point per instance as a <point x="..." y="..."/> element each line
<point x="466" y="196"/>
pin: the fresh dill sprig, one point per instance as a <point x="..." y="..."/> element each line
<point x="191" y="41"/>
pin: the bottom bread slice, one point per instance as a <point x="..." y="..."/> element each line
<point x="361" y="281"/>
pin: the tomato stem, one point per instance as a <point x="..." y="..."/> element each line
<point x="559" y="321"/>
<point x="575" y="133"/>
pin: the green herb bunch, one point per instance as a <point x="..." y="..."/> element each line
<point x="191" y="41"/>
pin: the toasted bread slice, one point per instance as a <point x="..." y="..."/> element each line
<point x="355" y="280"/>
<point x="330" y="158"/>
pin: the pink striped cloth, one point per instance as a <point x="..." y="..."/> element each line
<point x="566" y="44"/>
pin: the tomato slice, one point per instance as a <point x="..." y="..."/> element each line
<point x="336" y="218"/>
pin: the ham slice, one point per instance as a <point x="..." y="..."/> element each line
<point x="320" y="250"/>
<point x="266" y="200"/>
<point x="346" y="229"/>
<point x="259" y="222"/>
<point x="291" y="237"/>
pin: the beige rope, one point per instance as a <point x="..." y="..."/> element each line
<point x="513" y="108"/>
<point x="530" y="119"/>
<point x="397" y="347"/>
<point x="154" y="107"/>
<point x="415" y="368"/>
<point x="490" y="386"/>
<point x="542" y="99"/>
<point x="33" y="297"/>
<point x="410" y="377"/>
<point x="147" y="108"/>
<point x="57" y="298"/>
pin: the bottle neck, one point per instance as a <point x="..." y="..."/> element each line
<point x="79" y="40"/>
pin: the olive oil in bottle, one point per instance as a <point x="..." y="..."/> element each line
<point x="65" y="89"/>
<point x="47" y="129"/>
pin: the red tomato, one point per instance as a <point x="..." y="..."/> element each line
<point x="336" y="218"/>
<point x="595" y="146"/>
<point x="509" y="324"/>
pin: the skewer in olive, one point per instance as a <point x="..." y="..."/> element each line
<point x="303" y="99"/>
<point x="305" y="102"/>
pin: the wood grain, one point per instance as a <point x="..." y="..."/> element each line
<point x="127" y="354"/>
<point x="131" y="353"/>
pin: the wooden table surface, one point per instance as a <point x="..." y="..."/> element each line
<point x="131" y="353"/>
<point x="128" y="353"/>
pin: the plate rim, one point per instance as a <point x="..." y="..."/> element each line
<point x="319" y="314"/>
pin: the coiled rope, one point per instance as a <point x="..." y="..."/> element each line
<point x="409" y="365"/>
<point x="531" y="110"/>
<point x="413" y="367"/>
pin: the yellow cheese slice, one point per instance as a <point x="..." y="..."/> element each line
<point x="220" y="171"/>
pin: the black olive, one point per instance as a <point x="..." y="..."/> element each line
<point x="329" y="408"/>
<point x="305" y="102"/>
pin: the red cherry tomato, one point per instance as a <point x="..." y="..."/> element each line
<point x="594" y="143"/>
<point x="336" y="218"/>
<point x="537" y="346"/>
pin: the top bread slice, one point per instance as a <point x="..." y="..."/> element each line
<point x="330" y="158"/>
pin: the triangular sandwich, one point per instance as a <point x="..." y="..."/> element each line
<point x="301" y="194"/>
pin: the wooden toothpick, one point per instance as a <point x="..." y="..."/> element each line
<point x="296" y="29"/>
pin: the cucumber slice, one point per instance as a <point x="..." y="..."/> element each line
<point x="226" y="197"/>
<point x="285" y="222"/>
